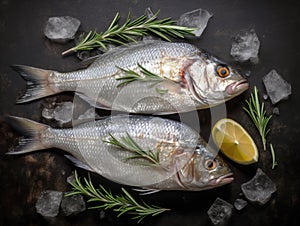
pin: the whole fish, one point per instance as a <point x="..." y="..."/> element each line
<point x="186" y="78"/>
<point x="184" y="160"/>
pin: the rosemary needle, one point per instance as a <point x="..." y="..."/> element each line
<point x="121" y="204"/>
<point x="132" y="76"/>
<point x="274" y="162"/>
<point x="257" y="112"/>
<point x="127" y="143"/>
<point x="117" y="34"/>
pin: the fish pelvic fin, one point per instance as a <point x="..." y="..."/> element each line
<point x="32" y="135"/>
<point x="39" y="82"/>
<point x="79" y="163"/>
<point x="146" y="191"/>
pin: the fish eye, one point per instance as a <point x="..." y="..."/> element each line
<point x="210" y="164"/>
<point x="223" y="71"/>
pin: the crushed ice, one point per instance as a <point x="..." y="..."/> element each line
<point x="240" y="204"/>
<point x="277" y="88"/>
<point x="63" y="112"/>
<point x="48" y="203"/>
<point x="61" y="29"/>
<point x="72" y="205"/>
<point x="259" y="189"/>
<point x="245" y="46"/>
<point x="195" y="19"/>
<point x="220" y="212"/>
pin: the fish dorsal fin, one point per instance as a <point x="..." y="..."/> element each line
<point x="120" y="49"/>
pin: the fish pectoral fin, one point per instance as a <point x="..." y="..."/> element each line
<point x="146" y="191"/>
<point x="165" y="113"/>
<point x="168" y="86"/>
<point x="79" y="163"/>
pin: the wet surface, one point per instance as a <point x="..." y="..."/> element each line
<point x="22" y="178"/>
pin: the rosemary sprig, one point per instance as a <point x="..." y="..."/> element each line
<point x="116" y="34"/>
<point x="132" y="76"/>
<point x="257" y="113"/>
<point x="274" y="162"/>
<point x="124" y="203"/>
<point x="128" y="144"/>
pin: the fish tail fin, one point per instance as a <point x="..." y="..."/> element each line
<point x="32" y="135"/>
<point x="38" y="82"/>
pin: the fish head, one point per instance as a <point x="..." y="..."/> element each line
<point x="212" y="81"/>
<point x="204" y="170"/>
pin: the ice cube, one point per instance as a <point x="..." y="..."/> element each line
<point x="247" y="73"/>
<point x="149" y="13"/>
<point x="276" y="111"/>
<point x="240" y="204"/>
<point x="83" y="55"/>
<point x="47" y="113"/>
<point x="63" y="172"/>
<point x="71" y="178"/>
<point x="63" y="112"/>
<point x="245" y="46"/>
<point x="48" y="203"/>
<point x="72" y="205"/>
<point x="89" y="56"/>
<point x="102" y="214"/>
<point x="259" y="189"/>
<point x="61" y="29"/>
<point x="150" y="38"/>
<point x="195" y="19"/>
<point x="220" y="212"/>
<point x="277" y="88"/>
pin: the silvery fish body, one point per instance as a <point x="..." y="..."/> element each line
<point x="190" y="79"/>
<point x="186" y="162"/>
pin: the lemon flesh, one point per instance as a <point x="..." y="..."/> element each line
<point x="234" y="142"/>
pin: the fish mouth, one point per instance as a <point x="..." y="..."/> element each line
<point x="237" y="87"/>
<point x="225" y="179"/>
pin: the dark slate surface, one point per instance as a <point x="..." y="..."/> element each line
<point x="22" y="178"/>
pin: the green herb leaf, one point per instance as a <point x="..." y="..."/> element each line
<point x="132" y="76"/>
<point x="258" y="115"/>
<point x="121" y="204"/>
<point x="116" y="34"/>
<point x="161" y="91"/>
<point x="128" y="144"/>
<point x="274" y="162"/>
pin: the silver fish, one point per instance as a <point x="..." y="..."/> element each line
<point x="190" y="79"/>
<point x="186" y="162"/>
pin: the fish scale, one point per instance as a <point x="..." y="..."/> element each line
<point x="105" y="68"/>
<point x="190" y="79"/>
<point x="179" y="148"/>
<point x="154" y="130"/>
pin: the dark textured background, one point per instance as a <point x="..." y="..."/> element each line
<point x="22" y="178"/>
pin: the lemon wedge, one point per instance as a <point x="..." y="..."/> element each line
<point x="234" y="141"/>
